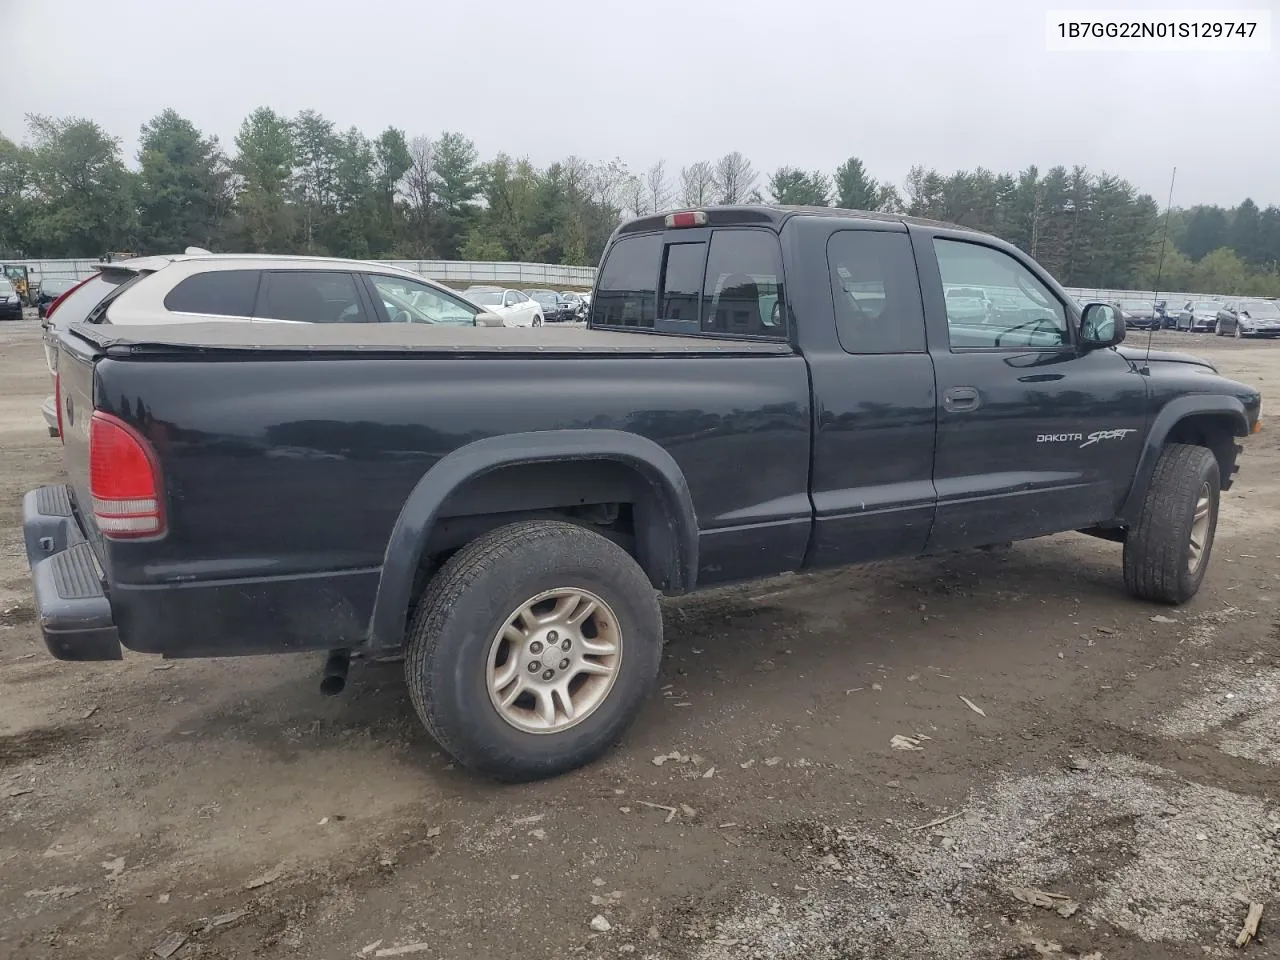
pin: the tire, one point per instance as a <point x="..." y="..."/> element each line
<point x="1160" y="562"/>
<point x="460" y="625"/>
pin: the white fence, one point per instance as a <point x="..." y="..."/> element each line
<point x="1084" y="295"/>
<point x="558" y="276"/>
<point x="553" y="275"/>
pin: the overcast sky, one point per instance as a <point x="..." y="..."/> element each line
<point x="800" y="82"/>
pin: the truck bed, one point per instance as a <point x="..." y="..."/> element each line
<point x="382" y="338"/>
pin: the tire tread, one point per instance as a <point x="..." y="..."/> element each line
<point x="1154" y="551"/>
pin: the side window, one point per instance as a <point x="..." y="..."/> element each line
<point x="994" y="301"/>
<point x="312" y="296"/>
<point x="876" y="292"/>
<point x="509" y="299"/>
<point x="682" y="281"/>
<point x="626" y="292"/>
<point x="408" y="301"/>
<point x="222" y="293"/>
<point x="742" y="295"/>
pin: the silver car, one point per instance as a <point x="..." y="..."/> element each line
<point x="1249" y="318"/>
<point x="1200" y="316"/>
<point x="199" y="286"/>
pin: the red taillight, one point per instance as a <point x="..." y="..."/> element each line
<point x="124" y="479"/>
<point x="58" y="301"/>
<point x="689" y="218"/>
<point x="57" y="399"/>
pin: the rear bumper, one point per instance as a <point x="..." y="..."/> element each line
<point x="208" y="618"/>
<point x="71" y="605"/>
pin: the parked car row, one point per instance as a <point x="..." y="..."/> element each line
<point x="530" y="308"/>
<point x="1249" y="318"/>
<point x="1246" y="317"/>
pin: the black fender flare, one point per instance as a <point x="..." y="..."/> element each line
<point x="1170" y="415"/>
<point x="679" y="567"/>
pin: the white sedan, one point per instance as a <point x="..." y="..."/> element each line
<point x="515" y="309"/>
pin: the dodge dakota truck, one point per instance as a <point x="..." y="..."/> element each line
<point x="759" y="390"/>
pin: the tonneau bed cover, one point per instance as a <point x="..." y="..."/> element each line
<point x="168" y="339"/>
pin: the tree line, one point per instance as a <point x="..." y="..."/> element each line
<point x="301" y="185"/>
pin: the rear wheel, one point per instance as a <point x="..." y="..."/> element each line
<point x="533" y="650"/>
<point x="1167" y="551"/>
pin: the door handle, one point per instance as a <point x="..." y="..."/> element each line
<point x="961" y="399"/>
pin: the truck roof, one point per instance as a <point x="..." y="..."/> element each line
<point x="169" y="338"/>
<point x="776" y="215"/>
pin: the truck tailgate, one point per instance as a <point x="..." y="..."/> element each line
<point x="75" y="362"/>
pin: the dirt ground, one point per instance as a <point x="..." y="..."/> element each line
<point x="1127" y="760"/>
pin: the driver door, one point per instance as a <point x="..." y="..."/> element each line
<point x="512" y="309"/>
<point x="1035" y="434"/>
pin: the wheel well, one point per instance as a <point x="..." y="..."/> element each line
<point x="609" y="497"/>
<point x="1216" y="431"/>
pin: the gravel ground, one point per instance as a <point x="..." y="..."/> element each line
<point x="1125" y="763"/>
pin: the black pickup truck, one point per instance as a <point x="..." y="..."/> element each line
<point x="760" y="390"/>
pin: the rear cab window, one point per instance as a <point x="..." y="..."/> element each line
<point x="723" y="282"/>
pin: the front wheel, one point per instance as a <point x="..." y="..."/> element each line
<point x="533" y="650"/>
<point x="1167" y="551"/>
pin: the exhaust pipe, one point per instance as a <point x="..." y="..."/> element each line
<point x="335" y="672"/>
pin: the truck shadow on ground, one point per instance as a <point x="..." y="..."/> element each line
<point x="772" y="650"/>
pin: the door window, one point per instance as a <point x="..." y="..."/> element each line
<point x="876" y="292"/>
<point x="312" y="296"/>
<point x="408" y="301"/>
<point x="993" y="301"/>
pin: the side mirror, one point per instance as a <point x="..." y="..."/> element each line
<point x="1101" y="326"/>
<point x="488" y="320"/>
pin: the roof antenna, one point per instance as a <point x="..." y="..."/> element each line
<point x="1164" y="240"/>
